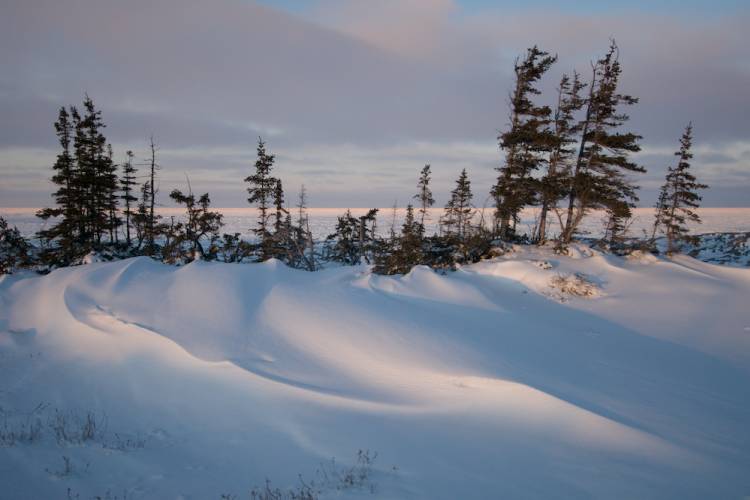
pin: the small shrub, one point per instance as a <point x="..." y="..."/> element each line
<point x="71" y="428"/>
<point x="578" y="285"/>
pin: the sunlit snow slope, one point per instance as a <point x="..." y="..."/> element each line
<point x="483" y="383"/>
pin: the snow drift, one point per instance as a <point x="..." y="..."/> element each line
<point x="488" y="382"/>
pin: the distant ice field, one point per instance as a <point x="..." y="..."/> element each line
<point x="323" y="220"/>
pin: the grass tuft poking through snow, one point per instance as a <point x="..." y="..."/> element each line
<point x="576" y="285"/>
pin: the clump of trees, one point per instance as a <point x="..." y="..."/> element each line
<point x="567" y="159"/>
<point x="15" y="251"/>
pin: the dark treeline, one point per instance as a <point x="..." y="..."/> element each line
<point x="567" y="159"/>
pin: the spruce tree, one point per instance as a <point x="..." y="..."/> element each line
<point x="151" y="226"/>
<point x="304" y="244"/>
<point x="261" y="191"/>
<point x="278" y="202"/>
<point x="111" y="195"/>
<point x="424" y="194"/>
<point x="15" y="251"/>
<point x="342" y="245"/>
<point x="526" y="143"/>
<point x="127" y="183"/>
<point x="98" y="179"/>
<point x="600" y="177"/>
<point x="681" y="188"/>
<point x="62" y="240"/>
<point x="459" y="211"/>
<point x="661" y="210"/>
<point x="200" y="224"/>
<point x="410" y="242"/>
<point x="282" y="230"/>
<point x="553" y="186"/>
<point x="87" y="196"/>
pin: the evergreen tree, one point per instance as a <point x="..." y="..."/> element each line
<point x="97" y="179"/>
<point x="526" y="144"/>
<point x="553" y="185"/>
<point x="66" y="232"/>
<point x="127" y="183"/>
<point x="282" y="235"/>
<point x="112" y="195"/>
<point x="15" y="251"/>
<point x="87" y="196"/>
<point x="599" y="178"/>
<point x="187" y="242"/>
<point x="661" y="211"/>
<point x="278" y="202"/>
<point x="407" y="250"/>
<point x="151" y="220"/>
<point x="681" y="196"/>
<point x="424" y="194"/>
<point x="459" y="211"/>
<point x="261" y="191"/>
<point x="304" y="245"/>
<point x="342" y="245"/>
<point x="140" y="218"/>
<point x="354" y="238"/>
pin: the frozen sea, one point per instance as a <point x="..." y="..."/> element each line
<point x="323" y="220"/>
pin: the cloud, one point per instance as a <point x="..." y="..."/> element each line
<point x="357" y="95"/>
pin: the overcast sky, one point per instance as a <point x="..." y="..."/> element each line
<point x="355" y="96"/>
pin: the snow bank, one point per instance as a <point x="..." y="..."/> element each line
<point x="207" y="379"/>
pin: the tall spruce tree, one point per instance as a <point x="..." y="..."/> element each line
<point x="459" y="211"/>
<point x="681" y="195"/>
<point x="282" y="226"/>
<point x="62" y="240"/>
<point x="151" y="219"/>
<point x="127" y="184"/>
<point x="261" y="191"/>
<point x="303" y="238"/>
<point x="278" y="202"/>
<point x="424" y="194"/>
<point x="87" y="196"/>
<point x="600" y="176"/>
<point x="526" y="144"/>
<point x="553" y="186"/>
<point x="97" y="179"/>
<point x="112" y="195"/>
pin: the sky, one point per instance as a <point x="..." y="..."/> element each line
<point x="355" y="96"/>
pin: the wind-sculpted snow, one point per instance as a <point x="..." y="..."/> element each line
<point x="483" y="383"/>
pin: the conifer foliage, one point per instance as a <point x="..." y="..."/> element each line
<point x="679" y="196"/>
<point x="197" y="236"/>
<point x="600" y="175"/>
<point x="15" y="251"/>
<point x="127" y="184"/>
<point x="424" y="194"/>
<point x="526" y="144"/>
<point x="459" y="211"/>
<point x="87" y="197"/>
<point x="261" y="190"/>
<point x="577" y="150"/>
<point x="553" y="186"/>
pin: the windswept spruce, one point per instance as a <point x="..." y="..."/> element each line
<point x="568" y="160"/>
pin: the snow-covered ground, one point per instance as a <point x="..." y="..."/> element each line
<point x="529" y="376"/>
<point x="323" y="220"/>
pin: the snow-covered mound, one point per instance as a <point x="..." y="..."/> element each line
<point x="533" y="375"/>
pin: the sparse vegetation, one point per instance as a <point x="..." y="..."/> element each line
<point x="576" y="285"/>
<point x="329" y="477"/>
